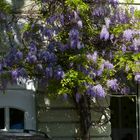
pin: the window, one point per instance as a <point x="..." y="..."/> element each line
<point x="123" y="117"/>
<point x="2" y="118"/>
<point x="11" y="119"/>
<point x="17" y="110"/>
<point x="16" y="119"/>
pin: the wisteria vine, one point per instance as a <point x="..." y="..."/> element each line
<point x="78" y="48"/>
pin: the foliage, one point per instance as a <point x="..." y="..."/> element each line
<point x="5" y="7"/>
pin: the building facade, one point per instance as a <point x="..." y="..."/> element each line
<point x="58" y="117"/>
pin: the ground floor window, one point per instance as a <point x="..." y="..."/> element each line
<point x="16" y="119"/>
<point x="123" y="118"/>
<point x="11" y="119"/>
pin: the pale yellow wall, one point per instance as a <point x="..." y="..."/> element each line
<point x="135" y="2"/>
<point x="59" y="119"/>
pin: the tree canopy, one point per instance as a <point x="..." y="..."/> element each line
<point x="88" y="46"/>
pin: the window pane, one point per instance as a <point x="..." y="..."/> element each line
<point x="16" y="119"/>
<point x="2" y="120"/>
<point x="123" y="118"/>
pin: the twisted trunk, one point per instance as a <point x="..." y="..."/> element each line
<point x="83" y="108"/>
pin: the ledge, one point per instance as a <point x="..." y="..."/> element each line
<point x="22" y="136"/>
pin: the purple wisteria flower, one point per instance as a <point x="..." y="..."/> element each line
<point x="112" y="84"/>
<point x="95" y="91"/>
<point x="11" y="59"/>
<point x="132" y="10"/>
<point x="19" y="55"/>
<point x="90" y="90"/>
<point x="98" y="89"/>
<point x="99" y="11"/>
<point x="123" y="48"/>
<point x="62" y="19"/>
<point x="136" y="45"/>
<point x="73" y="43"/>
<point x="128" y="34"/>
<point x="93" y="56"/>
<point x="49" y="72"/>
<point x="74" y="38"/>
<point x="59" y="73"/>
<point x="14" y="74"/>
<point x="47" y="56"/>
<point x="74" y="34"/>
<point x="48" y="33"/>
<point x="51" y="19"/>
<point x="108" y="65"/>
<point x="125" y="90"/>
<point x="100" y="70"/>
<point x="31" y="58"/>
<point x="114" y="2"/>
<point x="104" y="33"/>
<point x="120" y="17"/>
<point x="137" y="77"/>
<point x="32" y="47"/>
